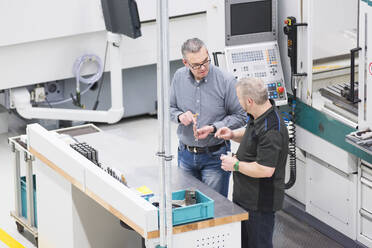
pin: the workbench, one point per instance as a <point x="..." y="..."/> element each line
<point x="80" y="205"/>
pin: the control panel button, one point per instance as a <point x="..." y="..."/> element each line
<point x="280" y="90"/>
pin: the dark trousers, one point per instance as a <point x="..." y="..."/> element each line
<point x="257" y="231"/>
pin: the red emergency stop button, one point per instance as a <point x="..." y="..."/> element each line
<point x="286" y="21"/>
<point x="280" y="90"/>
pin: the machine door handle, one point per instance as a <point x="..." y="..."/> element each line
<point x="366" y="182"/>
<point x="366" y="169"/>
<point x="215" y="57"/>
<point x="365" y="214"/>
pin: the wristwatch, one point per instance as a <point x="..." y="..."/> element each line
<point x="214" y="128"/>
<point x="178" y="118"/>
<point x="236" y="166"/>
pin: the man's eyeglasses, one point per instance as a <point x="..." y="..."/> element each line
<point x="199" y="66"/>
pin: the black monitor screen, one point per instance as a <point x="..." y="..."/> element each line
<point x="251" y="17"/>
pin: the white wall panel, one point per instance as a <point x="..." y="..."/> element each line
<point x="53" y="59"/>
<point x="26" y="21"/>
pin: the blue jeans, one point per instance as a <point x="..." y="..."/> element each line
<point x="206" y="167"/>
<point x="257" y="232"/>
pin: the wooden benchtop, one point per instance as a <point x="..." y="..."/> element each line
<point x="115" y="155"/>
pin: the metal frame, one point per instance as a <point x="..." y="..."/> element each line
<point x="365" y="66"/>
<point x="67" y="129"/>
<point x="17" y="148"/>
<point x="22" y="222"/>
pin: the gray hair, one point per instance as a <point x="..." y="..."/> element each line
<point x="191" y="46"/>
<point x="253" y="88"/>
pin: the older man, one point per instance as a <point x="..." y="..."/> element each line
<point x="203" y="99"/>
<point x="259" y="165"/>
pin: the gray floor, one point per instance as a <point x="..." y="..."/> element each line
<point x="289" y="232"/>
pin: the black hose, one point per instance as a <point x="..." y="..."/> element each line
<point x="95" y="106"/>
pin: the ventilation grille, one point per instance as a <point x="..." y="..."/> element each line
<point x="213" y="241"/>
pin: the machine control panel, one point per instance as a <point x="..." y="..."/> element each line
<point x="260" y="60"/>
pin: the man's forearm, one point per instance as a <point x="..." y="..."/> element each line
<point x="253" y="169"/>
<point x="238" y="134"/>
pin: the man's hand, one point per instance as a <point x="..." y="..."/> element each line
<point x="228" y="162"/>
<point x="187" y="118"/>
<point x="224" y="133"/>
<point x="203" y="132"/>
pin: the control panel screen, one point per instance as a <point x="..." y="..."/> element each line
<point x="251" y="17"/>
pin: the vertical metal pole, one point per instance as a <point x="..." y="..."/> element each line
<point x="358" y="30"/>
<point x="29" y="191"/>
<point x="160" y="110"/>
<point x="362" y="69"/>
<point x="368" y="78"/>
<point x="309" y="18"/>
<point x="164" y="124"/>
<point x="167" y="128"/>
<point x="17" y="180"/>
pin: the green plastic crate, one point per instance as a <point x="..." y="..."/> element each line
<point x="24" y="198"/>
<point x="203" y="209"/>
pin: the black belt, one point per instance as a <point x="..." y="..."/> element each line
<point x="195" y="149"/>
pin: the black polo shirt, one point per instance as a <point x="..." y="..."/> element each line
<point x="265" y="141"/>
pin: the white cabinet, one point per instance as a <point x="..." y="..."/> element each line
<point x="365" y="204"/>
<point x="331" y="195"/>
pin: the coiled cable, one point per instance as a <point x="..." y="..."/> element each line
<point x="292" y="145"/>
<point x="79" y="62"/>
<point x="290" y="120"/>
<point x="86" y="80"/>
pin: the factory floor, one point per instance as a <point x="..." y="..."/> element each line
<point x="289" y="231"/>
